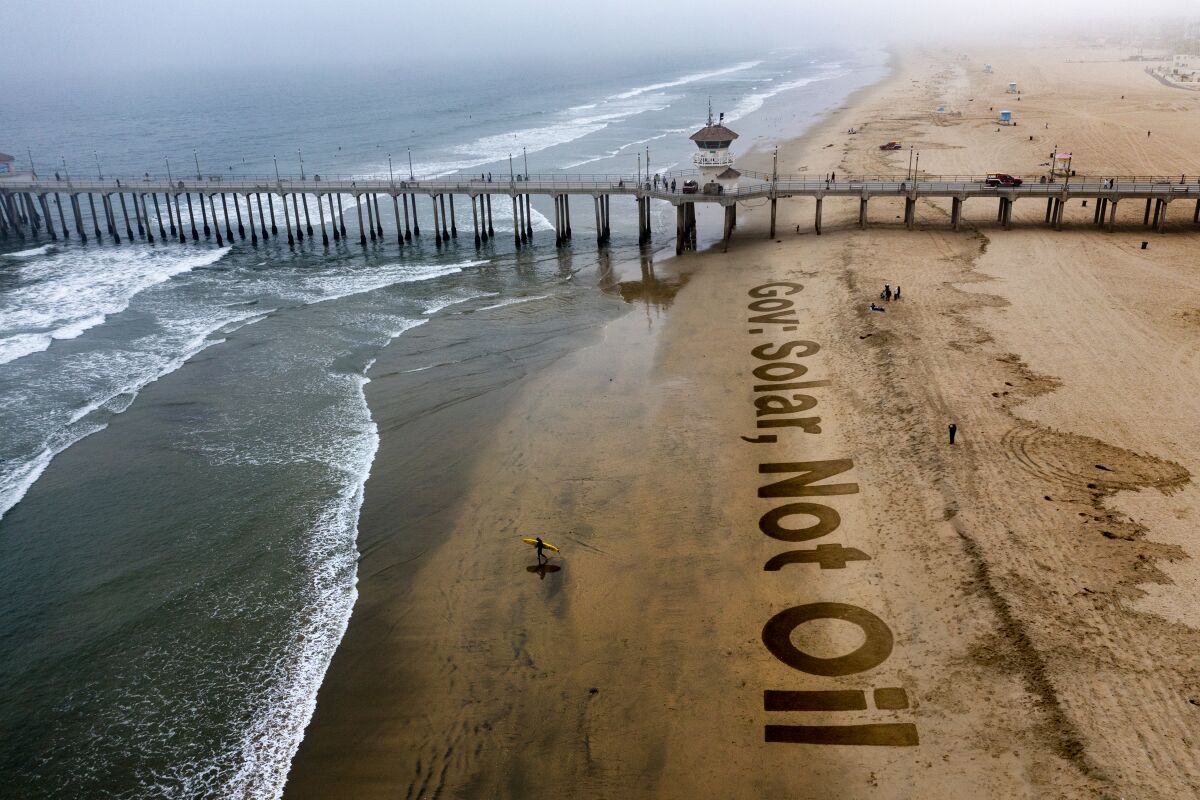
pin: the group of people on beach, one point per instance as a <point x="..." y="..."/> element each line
<point x="887" y="295"/>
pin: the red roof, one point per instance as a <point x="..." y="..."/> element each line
<point x="713" y="133"/>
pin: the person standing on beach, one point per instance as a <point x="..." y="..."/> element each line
<point x="953" y="431"/>
<point x="897" y="293"/>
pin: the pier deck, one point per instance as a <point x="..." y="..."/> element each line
<point x="24" y="201"/>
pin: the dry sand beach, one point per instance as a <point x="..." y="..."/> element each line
<point x="1015" y="614"/>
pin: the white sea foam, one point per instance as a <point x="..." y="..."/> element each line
<point x="15" y="481"/>
<point x="61" y="296"/>
<point x="755" y="100"/>
<point x="35" y="251"/>
<point x="453" y="299"/>
<point x="512" y="301"/>
<point x="563" y="127"/>
<point x="692" y="78"/>
<point x="186" y="332"/>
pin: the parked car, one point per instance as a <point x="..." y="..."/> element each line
<point x="1002" y="179"/>
<point x="890" y="146"/>
<point x="690" y="187"/>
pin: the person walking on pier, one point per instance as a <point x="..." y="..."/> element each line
<point x="672" y="184"/>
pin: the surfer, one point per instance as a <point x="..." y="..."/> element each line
<point x="540" y="544"/>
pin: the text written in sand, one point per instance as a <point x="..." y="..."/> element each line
<point x="783" y="405"/>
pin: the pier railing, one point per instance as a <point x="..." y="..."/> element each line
<point x="751" y="182"/>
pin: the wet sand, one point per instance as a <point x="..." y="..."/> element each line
<point x="1023" y="599"/>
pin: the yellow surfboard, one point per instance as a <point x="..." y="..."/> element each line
<point x="545" y="544"/>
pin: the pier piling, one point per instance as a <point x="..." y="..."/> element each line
<point x="62" y="219"/>
<point x="321" y="217"/>
<point x="437" y="228"/>
<point x="287" y="219"/>
<point x="453" y="222"/>
<point x="370" y="216"/>
<point x="416" y="220"/>
<point x="125" y="214"/>
<point x="341" y="215"/>
<point x="46" y="216"/>
<point x="192" y="215"/>
<point x="162" y="234"/>
<point x="250" y="220"/>
<point x="204" y="215"/>
<point x="296" y="209"/>
<point x="95" y="220"/>
<point x="817" y="216"/>
<point x="407" y="230"/>
<point x="517" y="231"/>
<point x="212" y="206"/>
<point x="307" y="219"/>
<point x="396" y="213"/>
<point x="474" y="222"/>
<point x="445" y="233"/>
<point x="146" y="217"/>
<point x="491" y="232"/>
<point x="262" y="220"/>
<point x="362" y="231"/>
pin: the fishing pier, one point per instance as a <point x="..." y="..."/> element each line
<point x="216" y="207"/>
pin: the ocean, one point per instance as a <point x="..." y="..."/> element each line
<point x="185" y="431"/>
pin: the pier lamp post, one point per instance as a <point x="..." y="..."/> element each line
<point x="391" y="178"/>
<point x="525" y="156"/>
<point x="639" y="170"/>
<point x="65" y="171"/>
<point x="301" y="156"/>
<point x="910" y="156"/>
<point x="32" y="168"/>
<point x="277" y="178"/>
<point x="98" y="172"/>
<point x="170" y="180"/>
<point x="410" y="172"/>
<point x="511" y="177"/>
<point x="917" y="168"/>
<point x="196" y="158"/>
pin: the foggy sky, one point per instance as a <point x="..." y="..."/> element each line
<point x="45" y="37"/>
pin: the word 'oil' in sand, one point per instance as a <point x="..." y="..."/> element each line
<point x="778" y="405"/>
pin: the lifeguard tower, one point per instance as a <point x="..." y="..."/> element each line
<point x="714" y="161"/>
<point x="1012" y="88"/>
<point x="1061" y="164"/>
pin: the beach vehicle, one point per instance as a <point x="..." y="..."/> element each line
<point x="1002" y="179"/>
<point x="890" y="146"/>
<point x="690" y="187"/>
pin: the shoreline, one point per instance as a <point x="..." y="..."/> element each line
<point x="651" y="291"/>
